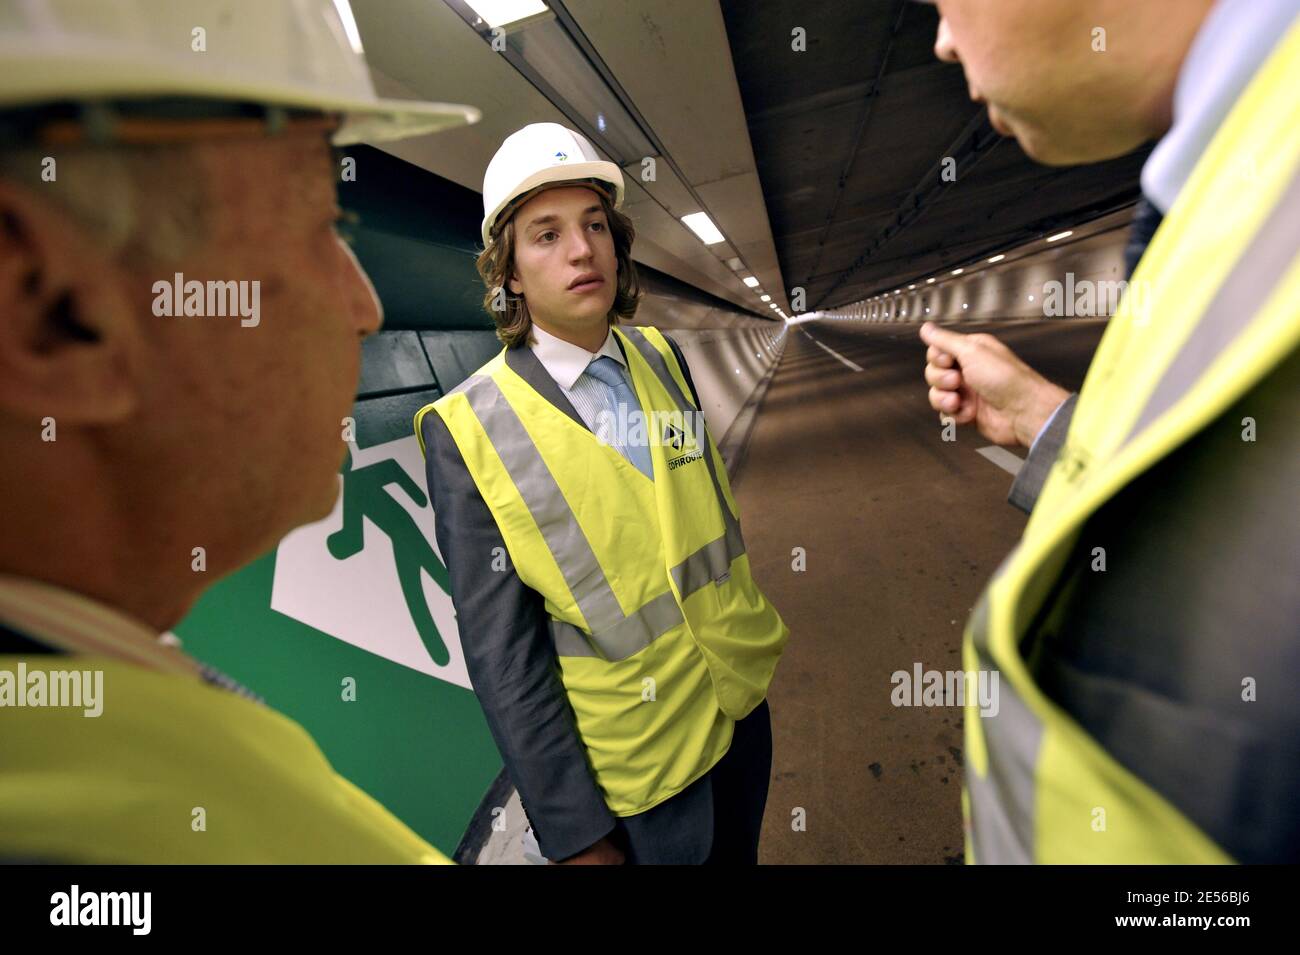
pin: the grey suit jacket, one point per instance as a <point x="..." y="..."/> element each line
<point x="512" y="663"/>
<point x="1198" y="594"/>
<point x="1033" y="473"/>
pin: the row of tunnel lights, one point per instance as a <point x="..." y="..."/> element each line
<point x="958" y="271"/>
<point x="709" y="234"/>
<point x="752" y="282"/>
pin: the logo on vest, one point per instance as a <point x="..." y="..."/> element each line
<point x="677" y="439"/>
<point x="674" y="431"/>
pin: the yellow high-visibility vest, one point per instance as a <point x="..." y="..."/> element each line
<point x="176" y="771"/>
<point x="663" y="638"/>
<point x="1212" y="308"/>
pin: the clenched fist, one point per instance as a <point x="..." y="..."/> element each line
<point x="977" y="378"/>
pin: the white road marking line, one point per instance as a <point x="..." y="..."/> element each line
<point x="831" y="351"/>
<point x="1002" y="458"/>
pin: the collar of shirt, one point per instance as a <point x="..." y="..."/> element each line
<point x="565" y="361"/>
<point x="1232" y="44"/>
<point x="79" y="624"/>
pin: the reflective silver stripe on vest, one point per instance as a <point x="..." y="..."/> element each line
<point x="615" y="636"/>
<point x="1002" y="801"/>
<point x="623" y="640"/>
<point x="1248" y="286"/>
<point x="712" y="562"/>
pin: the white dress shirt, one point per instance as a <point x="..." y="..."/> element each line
<point x="1234" y="41"/>
<point x="566" y="362"/>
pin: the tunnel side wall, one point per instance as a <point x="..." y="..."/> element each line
<point x="1077" y="279"/>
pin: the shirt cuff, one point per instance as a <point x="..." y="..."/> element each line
<point x="1048" y="423"/>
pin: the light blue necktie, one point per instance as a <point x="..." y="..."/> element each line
<point x="621" y="401"/>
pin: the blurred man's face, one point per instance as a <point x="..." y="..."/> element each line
<point x="564" y="261"/>
<point x="1039" y="67"/>
<point x="272" y="396"/>
<point x="177" y="430"/>
<point x="257" y="412"/>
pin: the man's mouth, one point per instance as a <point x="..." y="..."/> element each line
<point x="586" y="283"/>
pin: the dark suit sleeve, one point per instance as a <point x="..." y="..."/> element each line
<point x="1038" y="464"/>
<point x="511" y="660"/>
<point x="686" y="370"/>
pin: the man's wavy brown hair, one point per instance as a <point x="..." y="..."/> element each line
<point x="496" y="263"/>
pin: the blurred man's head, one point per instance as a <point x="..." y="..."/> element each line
<point x="182" y="323"/>
<point x="1074" y="81"/>
<point x="195" y="430"/>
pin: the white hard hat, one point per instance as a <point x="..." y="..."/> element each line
<point x="288" y="53"/>
<point x="538" y="155"/>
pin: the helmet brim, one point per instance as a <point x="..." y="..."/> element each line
<point x="38" y="78"/>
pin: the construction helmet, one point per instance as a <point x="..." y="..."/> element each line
<point x="296" y="54"/>
<point x="541" y="154"/>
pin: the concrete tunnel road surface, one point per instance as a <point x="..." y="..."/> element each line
<point x="901" y="531"/>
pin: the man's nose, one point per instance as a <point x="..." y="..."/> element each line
<point x="944" y="48"/>
<point x="579" y="246"/>
<point x="363" y="304"/>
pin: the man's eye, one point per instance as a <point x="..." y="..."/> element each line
<point x="545" y="236"/>
<point x="598" y="226"/>
<point x="346" y="225"/>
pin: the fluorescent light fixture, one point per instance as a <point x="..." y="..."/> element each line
<point x="497" y="13"/>
<point x="996" y="258"/>
<point x="929" y="281"/>
<point x="1060" y="235"/>
<point x="766" y="298"/>
<point x="702" y="226"/>
<point x="735" y="264"/>
<point x="750" y="281"/>
<point x="958" y="271"/>
<point x="349" y="25"/>
<point x="910" y="287"/>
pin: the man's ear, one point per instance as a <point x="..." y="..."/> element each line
<point x="70" y="345"/>
<point x="514" y="284"/>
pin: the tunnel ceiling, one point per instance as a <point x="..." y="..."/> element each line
<point x="848" y="138"/>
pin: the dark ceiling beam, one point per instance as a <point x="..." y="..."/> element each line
<point x="872" y="94"/>
<point x="973" y="143"/>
